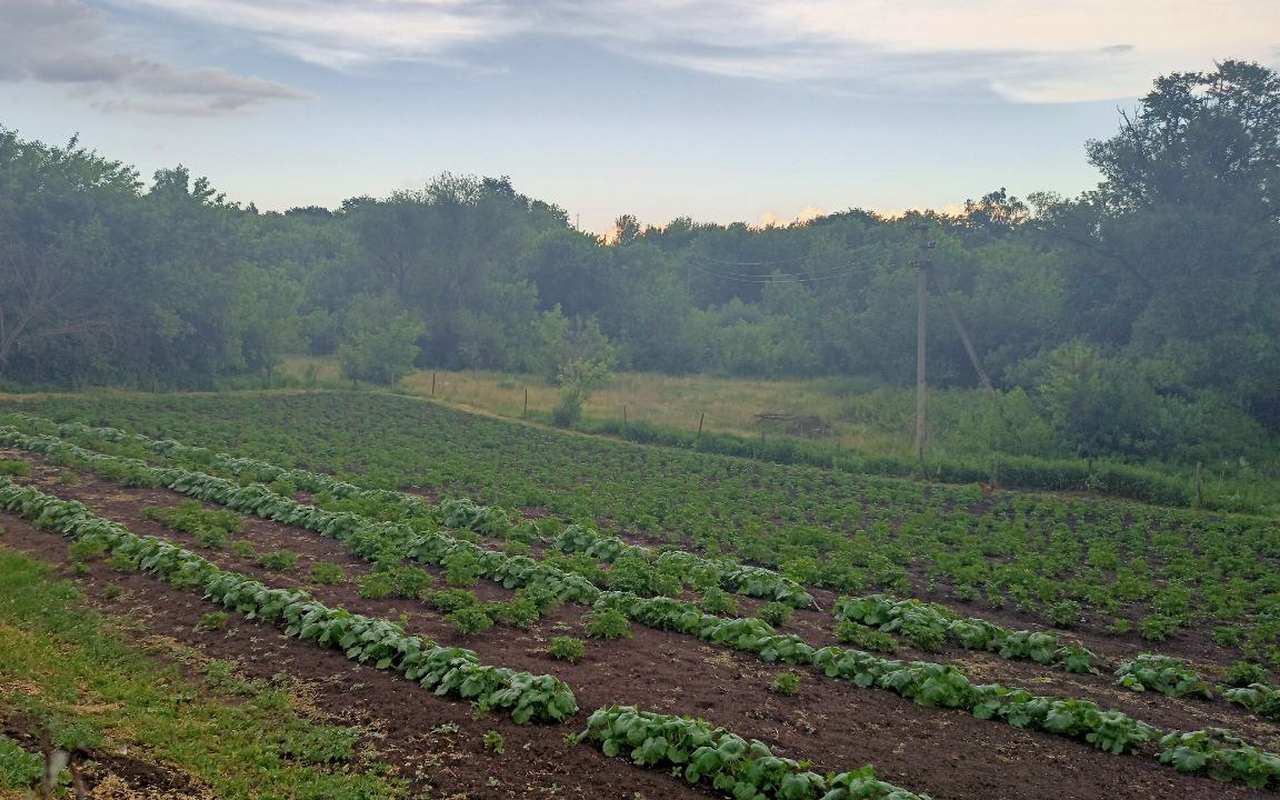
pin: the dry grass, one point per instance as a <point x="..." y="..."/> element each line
<point x="669" y="401"/>
<point x="730" y="404"/>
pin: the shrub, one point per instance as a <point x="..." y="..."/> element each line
<point x="19" y="469"/>
<point x="87" y="549"/>
<point x="1243" y="673"/>
<point x="567" y="648"/>
<point x="1157" y="627"/>
<point x="719" y="602"/>
<point x="452" y="599"/>
<point x="244" y="550"/>
<point x="1064" y="614"/>
<point x="520" y="612"/>
<point x="326" y="573"/>
<point x="608" y="623"/>
<point x="469" y="620"/>
<point x="462" y="569"/>
<point x="787" y="683"/>
<point x="213" y="621"/>
<point x="379" y="340"/>
<point x="568" y="410"/>
<point x="1227" y="635"/>
<point x="776" y="614"/>
<point x="864" y="637"/>
<point x="210" y="527"/>
<point x="494" y="743"/>
<point x="278" y="560"/>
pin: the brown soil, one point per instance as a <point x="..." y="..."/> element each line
<point x="948" y="754"/>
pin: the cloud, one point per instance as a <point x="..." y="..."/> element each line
<point x="65" y="42"/>
<point x="769" y="219"/>
<point x="1019" y="50"/>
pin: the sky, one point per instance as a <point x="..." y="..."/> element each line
<point x="722" y="110"/>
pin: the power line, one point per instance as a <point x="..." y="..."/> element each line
<point x="777" y="277"/>
<point x="764" y="263"/>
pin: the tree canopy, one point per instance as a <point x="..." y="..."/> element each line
<point x="1166" y="274"/>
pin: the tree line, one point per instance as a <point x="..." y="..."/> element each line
<point x="1139" y="317"/>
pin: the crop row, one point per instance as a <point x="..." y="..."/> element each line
<point x="926" y="683"/>
<point x="929" y="625"/>
<point x="1134" y="567"/>
<point x="734" y="766"/>
<point x="446" y="670"/>
<point x="457" y="513"/>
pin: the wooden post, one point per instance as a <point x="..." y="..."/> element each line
<point x="525" y="413"/>
<point x="922" y="322"/>
<point x="1199" y="484"/>
<point x="701" y="417"/>
<point x="433" y="383"/>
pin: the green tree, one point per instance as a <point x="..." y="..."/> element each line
<point x="379" y="341"/>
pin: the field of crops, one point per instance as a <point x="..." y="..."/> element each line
<point x="505" y="611"/>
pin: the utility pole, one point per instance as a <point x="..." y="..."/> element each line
<point x="922" y="331"/>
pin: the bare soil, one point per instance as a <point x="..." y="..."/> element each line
<point x="948" y="754"/>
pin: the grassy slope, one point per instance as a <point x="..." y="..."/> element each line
<point x="65" y="665"/>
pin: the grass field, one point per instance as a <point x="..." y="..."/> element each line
<point x="146" y="710"/>
<point x="602" y="563"/>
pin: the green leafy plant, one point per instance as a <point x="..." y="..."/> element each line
<point x="607" y="623"/>
<point x="326" y="573"/>
<point x="774" y="613"/>
<point x="865" y="637"/>
<point x="470" y="620"/>
<point x="567" y="648"/>
<point x="1243" y="673"/>
<point x="494" y="742"/>
<point x="1163" y="674"/>
<point x="18" y="469"/>
<point x="786" y="683"/>
<point x="717" y="601"/>
<point x="278" y="560"/>
<point x="213" y="621"/>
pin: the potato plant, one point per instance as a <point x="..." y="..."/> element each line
<point x="380" y="643"/>
<point x="730" y="765"/>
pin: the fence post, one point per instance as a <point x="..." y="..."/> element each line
<point x="524" y="414"/>
<point x="701" y="418"/>
<point x="433" y="383"/>
<point x="1199" y="484"/>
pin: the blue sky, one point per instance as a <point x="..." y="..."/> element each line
<point x="721" y="110"/>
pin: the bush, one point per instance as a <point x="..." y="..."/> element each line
<point x="469" y="620"/>
<point x="776" y="614"/>
<point x="452" y="599"/>
<point x="568" y="410"/>
<point x="326" y="573"/>
<point x="1064" y="614"/>
<point x="278" y="560"/>
<point x="1158" y="627"/>
<point x="719" y="602"/>
<point x="1243" y="673"/>
<point x="567" y="648"/>
<point x="213" y="621"/>
<point x="520" y="612"/>
<point x="608" y="623"/>
<point x="787" y="683"/>
<point x="379" y="340"/>
<point x="19" y="469"/>
<point x="462" y="569"/>
<point x="864" y="637"/>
